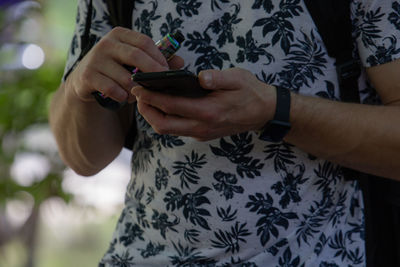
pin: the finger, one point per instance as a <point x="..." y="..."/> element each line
<point x="117" y="73"/>
<point x="176" y="62"/>
<point x="226" y="79"/>
<point x="202" y="108"/>
<point x="141" y="41"/>
<point x="134" y="56"/>
<point x="108" y="87"/>
<point x="168" y="124"/>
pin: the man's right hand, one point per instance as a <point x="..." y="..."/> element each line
<point x="89" y="137"/>
<point x="102" y="69"/>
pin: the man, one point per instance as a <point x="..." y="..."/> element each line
<point x="207" y="189"/>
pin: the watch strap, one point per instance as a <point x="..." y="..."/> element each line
<point x="276" y="129"/>
<point x="282" y="110"/>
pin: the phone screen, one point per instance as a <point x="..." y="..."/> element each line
<point x="180" y="82"/>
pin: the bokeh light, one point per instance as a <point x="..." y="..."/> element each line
<point x="33" y="57"/>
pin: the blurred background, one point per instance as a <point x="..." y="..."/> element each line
<point x="49" y="216"/>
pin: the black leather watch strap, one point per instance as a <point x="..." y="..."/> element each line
<point x="279" y="126"/>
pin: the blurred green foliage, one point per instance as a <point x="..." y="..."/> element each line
<point x="24" y="101"/>
<point x="24" y="98"/>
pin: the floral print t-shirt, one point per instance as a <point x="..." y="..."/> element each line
<point x="238" y="200"/>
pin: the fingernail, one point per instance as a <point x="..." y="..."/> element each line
<point x="134" y="89"/>
<point x="207" y="78"/>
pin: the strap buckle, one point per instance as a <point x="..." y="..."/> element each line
<point x="348" y="70"/>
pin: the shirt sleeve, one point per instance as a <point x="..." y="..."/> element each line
<point x="376" y="28"/>
<point x="99" y="26"/>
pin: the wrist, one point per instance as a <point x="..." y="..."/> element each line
<point x="299" y="110"/>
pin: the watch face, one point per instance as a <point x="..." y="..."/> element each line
<point x="275" y="130"/>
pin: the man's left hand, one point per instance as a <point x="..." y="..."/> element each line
<point x="238" y="102"/>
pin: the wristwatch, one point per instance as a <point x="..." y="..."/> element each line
<point x="276" y="129"/>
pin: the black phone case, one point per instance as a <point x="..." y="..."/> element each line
<point x="181" y="82"/>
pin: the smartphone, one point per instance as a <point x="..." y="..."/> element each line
<point x="174" y="82"/>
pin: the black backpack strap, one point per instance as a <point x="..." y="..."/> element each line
<point x="121" y="12"/>
<point x="333" y="20"/>
<point x="381" y="196"/>
<point x="121" y="15"/>
<point x="87" y="40"/>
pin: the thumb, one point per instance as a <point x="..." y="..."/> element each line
<point x="230" y="79"/>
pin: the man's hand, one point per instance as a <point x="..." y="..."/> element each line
<point x="89" y="136"/>
<point x="102" y="69"/>
<point x="238" y="102"/>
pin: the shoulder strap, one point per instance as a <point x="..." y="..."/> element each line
<point x="120" y="12"/>
<point x="333" y="20"/>
<point x="120" y="15"/>
<point x="87" y="40"/>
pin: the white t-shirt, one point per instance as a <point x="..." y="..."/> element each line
<point x="238" y="200"/>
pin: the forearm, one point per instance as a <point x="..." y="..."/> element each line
<point x="366" y="138"/>
<point x="89" y="137"/>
